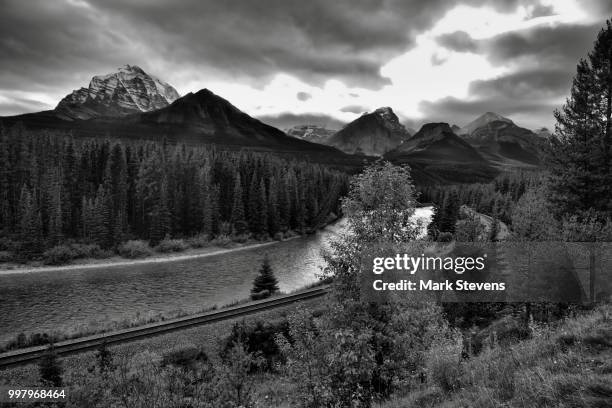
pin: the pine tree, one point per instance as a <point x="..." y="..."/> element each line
<point x="237" y="217"/>
<point x="273" y="221"/>
<point x="265" y="284"/>
<point x="31" y="224"/>
<point x="579" y="158"/>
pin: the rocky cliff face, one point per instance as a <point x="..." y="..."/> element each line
<point x="372" y="134"/>
<point x="129" y="90"/>
<point x="481" y="121"/>
<point x="505" y="143"/>
<point x="311" y="133"/>
<point x="437" y="142"/>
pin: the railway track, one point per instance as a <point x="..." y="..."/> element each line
<point x="31" y="354"/>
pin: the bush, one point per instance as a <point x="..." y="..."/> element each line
<point x="58" y="255"/>
<point x="62" y="254"/>
<point x="87" y="251"/>
<point x="221" y="240"/>
<point x="199" y="241"/>
<point x="185" y="357"/>
<point x="259" y="339"/>
<point x="171" y="245"/>
<point x="6" y="256"/>
<point x="241" y="238"/>
<point x="443" y="362"/>
<point x="135" y="249"/>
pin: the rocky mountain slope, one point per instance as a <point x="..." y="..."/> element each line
<point x="436" y="149"/>
<point x="506" y="144"/>
<point x="311" y="133"/>
<point x="129" y="90"/>
<point x="371" y="134"/>
<point x="481" y="121"/>
<point x="196" y="118"/>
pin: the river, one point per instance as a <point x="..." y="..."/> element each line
<point x="73" y="299"/>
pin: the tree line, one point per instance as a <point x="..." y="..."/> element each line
<point x="55" y="189"/>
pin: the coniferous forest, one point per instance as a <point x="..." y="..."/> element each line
<point x="57" y="190"/>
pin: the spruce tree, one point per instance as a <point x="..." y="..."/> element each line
<point x="31" y="224"/>
<point x="237" y="220"/>
<point x="579" y="157"/>
<point x="265" y="284"/>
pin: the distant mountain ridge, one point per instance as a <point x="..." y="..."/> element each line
<point x="504" y="143"/>
<point x="371" y="134"/>
<point x="481" y="121"/>
<point x="311" y="133"/>
<point x="435" y="149"/>
<point x="129" y="90"/>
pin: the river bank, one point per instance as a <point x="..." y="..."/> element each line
<point x="115" y="261"/>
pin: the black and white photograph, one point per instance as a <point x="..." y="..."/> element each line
<point x="306" y="204"/>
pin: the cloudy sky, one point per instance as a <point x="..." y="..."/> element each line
<point x="318" y="61"/>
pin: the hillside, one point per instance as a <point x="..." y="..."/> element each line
<point x="372" y="134"/>
<point x="565" y="366"/>
<point x="506" y="144"/>
<point x="436" y="149"/>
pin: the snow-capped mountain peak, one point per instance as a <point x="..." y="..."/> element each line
<point x="128" y="90"/>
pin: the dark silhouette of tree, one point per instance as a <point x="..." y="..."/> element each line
<point x="265" y="284"/>
<point x="49" y="368"/>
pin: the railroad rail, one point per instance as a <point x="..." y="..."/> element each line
<point x="73" y="346"/>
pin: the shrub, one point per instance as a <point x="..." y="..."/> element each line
<point x="221" y="240"/>
<point x="6" y="256"/>
<point x="199" y="241"/>
<point x="185" y="357"/>
<point x="241" y="238"/>
<point x="258" y="339"/>
<point x="58" y="255"/>
<point x="135" y="249"/>
<point x="443" y="362"/>
<point x="87" y="250"/>
<point x="171" y="245"/>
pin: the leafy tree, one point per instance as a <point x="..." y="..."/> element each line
<point x="532" y="219"/>
<point x="265" y="284"/>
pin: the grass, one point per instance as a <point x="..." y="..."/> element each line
<point x="565" y="366"/>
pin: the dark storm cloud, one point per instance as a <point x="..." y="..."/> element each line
<point x="54" y="47"/>
<point x="459" y="41"/>
<point x="531" y="95"/>
<point x="303" y="96"/>
<point x="453" y="110"/>
<point x="288" y="120"/>
<point x="560" y="45"/>
<point x="529" y="85"/>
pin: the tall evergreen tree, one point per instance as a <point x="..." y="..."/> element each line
<point x="579" y="157"/>
<point x="265" y="284"/>
<point x="237" y="216"/>
<point x="31" y="224"/>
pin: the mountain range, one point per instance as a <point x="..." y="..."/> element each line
<point x="131" y="104"/>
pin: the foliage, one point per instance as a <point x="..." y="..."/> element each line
<point x="579" y="158"/>
<point x="56" y="189"/>
<point x="135" y="249"/>
<point x="264" y="282"/>
<point x="171" y="245"/>
<point x="50" y="369"/>
<point x="259" y="339"/>
<point x="532" y="218"/>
